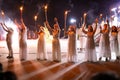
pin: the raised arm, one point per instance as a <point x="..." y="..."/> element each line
<point x="84" y="23"/>
<point x="4" y="27"/>
<point x="48" y="26"/>
<point x="56" y="22"/>
<point x="84" y="29"/>
<point x="17" y="24"/>
<point x="108" y="26"/>
<point x="96" y="21"/>
<point x="23" y="24"/>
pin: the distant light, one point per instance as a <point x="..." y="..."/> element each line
<point x="119" y="7"/>
<point x="72" y="20"/>
<point x="113" y="9"/>
<point x="118" y="11"/>
<point x="115" y="22"/>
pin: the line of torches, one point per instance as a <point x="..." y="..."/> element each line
<point x="45" y="8"/>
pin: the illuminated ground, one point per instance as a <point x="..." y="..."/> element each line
<point x="32" y="48"/>
<point x="31" y="69"/>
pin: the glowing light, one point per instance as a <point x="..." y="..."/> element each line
<point x="35" y="17"/>
<point x="115" y="22"/>
<point x="21" y="8"/>
<point x="85" y="14"/>
<point x="101" y="14"/>
<point x="10" y="23"/>
<point x="2" y="13"/>
<point x="113" y="9"/>
<point x="118" y="11"/>
<point x="47" y="35"/>
<point x="45" y="7"/>
<point x="72" y="20"/>
<point x="102" y="23"/>
<point x="67" y="11"/>
<point x="119" y="7"/>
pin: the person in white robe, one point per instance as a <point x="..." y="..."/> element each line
<point x="22" y="39"/>
<point x="41" y="47"/>
<point x="8" y="39"/>
<point x="56" y="50"/>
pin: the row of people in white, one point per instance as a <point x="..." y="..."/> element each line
<point x="108" y="42"/>
<point x="56" y="50"/>
<point x="90" y="53"/>
<point x="114" y="45"/>
<point x="22" y="39"/>
<point x="104" y="44"/>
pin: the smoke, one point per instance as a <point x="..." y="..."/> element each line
<point x="93" y="12"/>
<point x="71" y="4"/>
<point x="90" y="16"/>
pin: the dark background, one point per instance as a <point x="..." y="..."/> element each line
<point x="56" y="8"/>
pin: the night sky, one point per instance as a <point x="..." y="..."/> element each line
<point x="56" y="8"/>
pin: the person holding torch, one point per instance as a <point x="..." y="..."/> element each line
<point x="90" y="52"/>
<point x="22" y="37"/>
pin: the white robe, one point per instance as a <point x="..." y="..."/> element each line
<point x="23" y="43"/>
<point x="90" y="51"/>
<point x="41" y="51"/>
<point x="119" y="40"/>
<point x="56" y="50"/>
<point x="71" y="46"/>
<point x="114" y="44"/>
<point x="9" y="41"/>
<point x="104" y="45"/>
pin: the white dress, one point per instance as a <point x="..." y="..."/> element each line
<point x="41" y="51"/>
<point x="9" y="41"/>
<point x="119" y="40"/>
<point x="71" y="46"/>
<point x="114" y="43"/>
<point x="90" y="51"/>
<point x="56" y="51"/>
<point x="23" y="43"/>
<point x="104" y="45"/>
<point x="81" y="38"/>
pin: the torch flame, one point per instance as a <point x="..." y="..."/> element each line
<point x="66" y="12"/>
<point x="2" y="13"/>
<point x="85" y="14"/>
<point x="21" y="8"/>
<point x="46" y="7"/>
<point x="35" y="17"/>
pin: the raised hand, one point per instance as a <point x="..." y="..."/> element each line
<point x="84" y="16"/>
<point x="107" y="21"/>
<point x="96" y="20"/>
